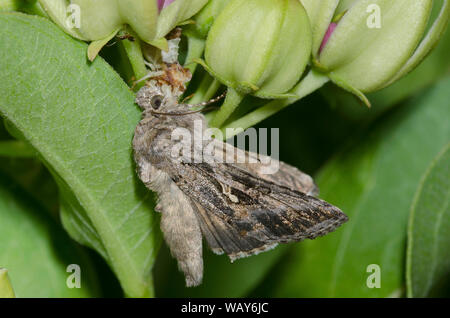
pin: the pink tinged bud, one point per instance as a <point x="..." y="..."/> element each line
<point x="164" y="3"/>
<point x="330" y="31"/>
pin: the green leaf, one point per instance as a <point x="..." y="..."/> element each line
<point x="428" y="257"/>
<point x="36" y="251"/>
<point x="80" y="118"/>
<point x="374" y="183"/>
<point x="320" y="15"/>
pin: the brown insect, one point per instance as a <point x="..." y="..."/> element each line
<point x="237" y="208"/>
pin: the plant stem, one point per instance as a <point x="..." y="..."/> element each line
<point x="6" y="290"/>
<point x="309" y="84"/>
<point x="207" y="89"/>
<point x="213" y="88"/>
<point x="196" y="46"/>
<point x="232" y="101"/>
<point x="134" y="53"/>
<point x="16" y="149"/>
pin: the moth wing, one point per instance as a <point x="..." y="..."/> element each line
<point x="242" y="214"/>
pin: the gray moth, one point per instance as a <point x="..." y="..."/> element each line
<point x="238" y="209"/>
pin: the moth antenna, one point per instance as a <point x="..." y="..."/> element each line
<point x="204" y="104"/>
<point x="187" y="98"/>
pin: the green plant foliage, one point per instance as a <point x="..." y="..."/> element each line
<point x="36" y="251"/>
<point x="428" y="258"/>
<point x="221" y="278"/>
<point x="374" y="183"/>
<point x="80" y="118"/>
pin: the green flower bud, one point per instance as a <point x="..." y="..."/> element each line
<point x="378" y="41"/>
<point x="259" y="46"/>
<point x="6" y="290"/>
<point x="100" y="18"/>
<point x="205" y="18"/>
<point x="93" y="20"/>
<point x="96" y="20"/>
<point x="177" y="12"/>
<point x="197" y="32"/>
<point x="344" y="5"/>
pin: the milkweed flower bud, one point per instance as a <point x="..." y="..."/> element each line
<point x="196" y="34"/>
<point x="320" y="13"/>
<point x="205" y="18"/>
<point x="258" y="47"/>
<point x="327" y="36"/>
<point x="362" y="46"/>
<point x="378" y="41"/>
<point x="174" y="12"/>
<point x="163" y="3"/>
<point x="93" y="20"/>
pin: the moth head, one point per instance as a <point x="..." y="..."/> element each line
<point x="151" y="98"/>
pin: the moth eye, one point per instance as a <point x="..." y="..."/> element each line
<point x="156" y="101"/>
